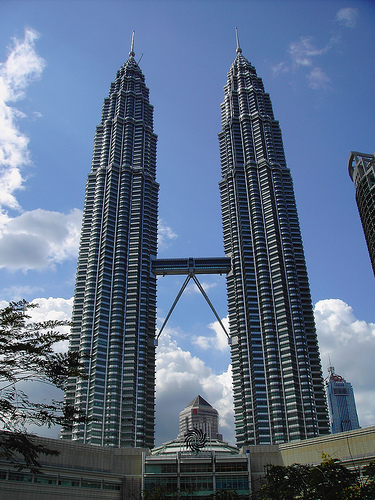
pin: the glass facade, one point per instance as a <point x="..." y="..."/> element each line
<point x="277" y="376"/>
<point x="114" y="312"/>
<point x="362" y="172"/>
<point x="192" y="476"/>
<point x="341" y="403"/>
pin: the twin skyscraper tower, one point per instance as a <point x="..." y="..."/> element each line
<point x="277" y="377"/>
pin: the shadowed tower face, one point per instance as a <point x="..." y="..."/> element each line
<point x="277" y="377"/>
<point x="362" y="172"/>
<point x="114" y="313"/>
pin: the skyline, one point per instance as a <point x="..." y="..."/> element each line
<point x="312" y="67"/>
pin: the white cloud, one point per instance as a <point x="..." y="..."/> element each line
<point x="347" y="17"/>
<point x="54" y="309"/>
<point x="281" y="67"/>
<point x="39" y="239"/>
<point x="350" y="345"/>
<point x="302" y="54"/>
<point x="318" y="79"/>
<point x="219" y="341"/>
<point x="192" y="287"/>
<point x="22" y="66"/>
<point x="165" y="234"/>
<point x="304" y="50"/>
<point x="16" y="292"/>
<point x="179" y="378"/>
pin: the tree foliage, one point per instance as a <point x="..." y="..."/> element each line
<point x="28" y="354"/>
<point x="330" y="480"/>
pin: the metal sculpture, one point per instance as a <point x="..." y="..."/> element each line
<point x="195" y="439"/>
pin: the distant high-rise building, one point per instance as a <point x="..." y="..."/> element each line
<point x="277" y="376"/>
<point x="199" y="414"/>
<point x="114" y="312"/>
<point x="362" y="173"/>
<point x="341" y="403"/>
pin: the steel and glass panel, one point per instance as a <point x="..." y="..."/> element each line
<point x="114" y="313"/>
<point x="341" y="403"/>
<point x="277" y="379"/>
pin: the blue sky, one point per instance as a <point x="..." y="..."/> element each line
<point x="317" y="61"/>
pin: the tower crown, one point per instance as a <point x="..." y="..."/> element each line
<point x="198" y="401"/>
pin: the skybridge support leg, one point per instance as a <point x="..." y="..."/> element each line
<point x="201" y="289"/>
<point x="184" y="285"/>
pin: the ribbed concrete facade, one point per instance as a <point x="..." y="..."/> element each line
<point x="114" y="313"/>
<point x="277" y="377"/>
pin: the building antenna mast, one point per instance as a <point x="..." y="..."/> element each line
<point x="132" y="53"/>
<point x="238" y="49"/>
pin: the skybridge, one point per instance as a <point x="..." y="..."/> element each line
<point x="191" y="267"/>
<point x="208" y="265"/>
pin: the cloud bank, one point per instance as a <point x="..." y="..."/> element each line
<point x="39" y="238"/>
<point x="180" y="376"/>
<point x="22" y="67"/>
<point x="349" y="343"/>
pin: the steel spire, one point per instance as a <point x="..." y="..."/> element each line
<point x="238" y="50"/>
<point x="132" y="53"/>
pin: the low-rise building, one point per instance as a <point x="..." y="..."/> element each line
<point x="194" y="465"/>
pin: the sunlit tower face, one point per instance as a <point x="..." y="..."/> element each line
<point x="277" y="378"/>
<point x="114" y="314"/>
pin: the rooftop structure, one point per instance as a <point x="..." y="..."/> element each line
<point x="199" y="414"/>
<point x="341" y="403"/>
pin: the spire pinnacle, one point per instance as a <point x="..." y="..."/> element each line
<point x="238" y="50"/>
<point x="132" y="53"/>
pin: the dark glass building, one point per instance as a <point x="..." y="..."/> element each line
<point x="341" y="403"/>
<point x="114" y="312"/>
<point x="277" y="376"/>
<point x="362" y="173"/>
